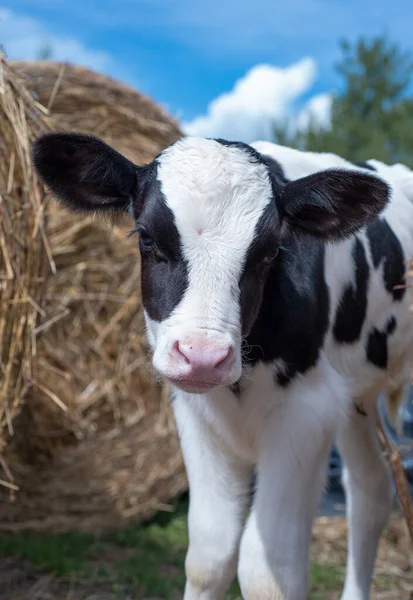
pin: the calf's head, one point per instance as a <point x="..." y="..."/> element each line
<point x="211" y="216"/>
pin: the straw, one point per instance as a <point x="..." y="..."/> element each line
<point x="91" y="440"/>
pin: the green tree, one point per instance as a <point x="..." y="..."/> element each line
<point x="372" y="116"/>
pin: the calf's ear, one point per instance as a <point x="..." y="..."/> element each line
<point x="85" y="173"/>
<point x="333" y="204"/>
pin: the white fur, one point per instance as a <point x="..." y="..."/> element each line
<point x="287" y="435"/>
<point x="217" y="197"/>
<point x="369" y="496"/>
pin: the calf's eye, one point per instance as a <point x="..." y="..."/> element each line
<point x="145" y="241"/>
<point x="269" y="259"/>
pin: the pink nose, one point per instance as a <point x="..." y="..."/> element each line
<point x="201" y="362"/>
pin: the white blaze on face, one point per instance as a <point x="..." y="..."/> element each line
<point x="217" y="194"/>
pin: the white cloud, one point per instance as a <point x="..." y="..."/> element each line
<point x="316" y="111"/>
<point x="265" y="95"/>
<point x="23" y="37"/>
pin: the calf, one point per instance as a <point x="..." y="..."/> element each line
<point x="274" y="298"/>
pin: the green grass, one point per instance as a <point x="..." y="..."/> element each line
<point x="145" y="560"/>
<point x="324" y="578"/>
<point x="60" y="554"/>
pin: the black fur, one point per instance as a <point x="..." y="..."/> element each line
<point x="294" y="315"/>
<point x="391" y="325"/>
<point x="387" y="250"/>
<point x="261" y="253"/>
<point x="164" y="271"/>
<point x="352" y="308"/>
<point x="85" y="173"/>
<point x="376" y="350"/>
<point x="377" y="344"/>
<point x="275" y="169"/>
<point x="332" y="204"/>
<point x="364" y="165"/>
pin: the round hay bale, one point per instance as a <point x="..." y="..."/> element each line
<point x="23" y="270"/>
<point x="95" y="441"/>
<point x="81" y="100"/>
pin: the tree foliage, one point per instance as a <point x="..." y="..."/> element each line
<point x="373" y="115"/>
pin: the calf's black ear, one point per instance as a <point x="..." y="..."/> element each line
<point x="85" y="173"/>
<point x="333" y="204"/>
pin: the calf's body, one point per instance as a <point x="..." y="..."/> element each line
<point x="273" y="288"/>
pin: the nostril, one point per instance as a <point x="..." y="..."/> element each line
<point x="224" y="356"/>
<point x="200" y="356"/>
<point x="179" y="349"/>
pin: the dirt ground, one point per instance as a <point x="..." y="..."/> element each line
<point x="20" y="580"/>
<point x="393" y="579"/>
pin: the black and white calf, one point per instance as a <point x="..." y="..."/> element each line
<point x="272" y="282"/>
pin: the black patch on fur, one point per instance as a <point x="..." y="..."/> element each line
<point x="277" y="178"/>
<point x="391" y="325"/>
<point x="386" y="249"/>
<point x="293" y="318"/>
<point x="377" y="346"/>
<point x="264" y="246"/>
<point x="376" y="350"/>
<point x="275" y="169"/>
<point x="364" y="165"/>
<point x="352" y="309"/>
<point x="164" y="271"/>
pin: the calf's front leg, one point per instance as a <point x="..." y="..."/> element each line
<point x="367" y="482"/>
<point x="219" y="489"/>
<point x="274" y="553"/>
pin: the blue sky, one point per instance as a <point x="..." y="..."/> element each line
<point x="187" y="53"/>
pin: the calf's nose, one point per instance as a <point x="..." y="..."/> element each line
<point x="201" y="355"/>
<point x="200" y="360"/>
